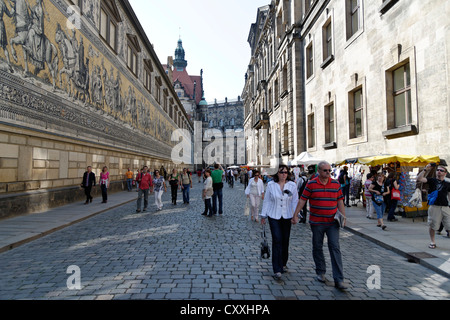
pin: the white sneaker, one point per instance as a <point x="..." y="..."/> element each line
<point x="277" y="276"/>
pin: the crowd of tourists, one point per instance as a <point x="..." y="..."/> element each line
<point x="288" y="197"/>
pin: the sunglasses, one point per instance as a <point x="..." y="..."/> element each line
<point x="441" y="170"/>
<point x="283" y="172"/>
<point x="326" y="170"/>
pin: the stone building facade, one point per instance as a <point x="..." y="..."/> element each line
<point x="80" y="84"/>
<point x="370" y="78"/>
<point x="274" y="113"/>
<point x="376" y="78"/>
<point x="224" y="120"/>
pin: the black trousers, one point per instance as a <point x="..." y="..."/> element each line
<point x="208" y="207"/>
<point x="87" y="192"/>
<point x="104" y="192"/>
<point x="174" y="189"/>
<point x="281" y="232"/>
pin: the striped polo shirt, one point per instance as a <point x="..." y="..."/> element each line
<point x="322" y="200"/>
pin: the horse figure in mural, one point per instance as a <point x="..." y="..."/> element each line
<point x="74" y="65"/>
<point x="37" y="48"/>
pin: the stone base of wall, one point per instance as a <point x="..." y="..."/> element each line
<point x="38" y="201"/>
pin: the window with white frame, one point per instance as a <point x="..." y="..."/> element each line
<point x="109" y="21"/>
<point x="148" y="68"/>
<point x="353" y="17"/>
<point x="311" y="131"/>
<point x="330" y="135"/>
<point x="132" y="59"/>
<point x="309" y="61"/>
<point x="327" y="40"/>
<point x="402" y="95"/>
<point x="356" y="107"/>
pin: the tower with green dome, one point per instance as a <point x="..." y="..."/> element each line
<point x="179" y="62"/>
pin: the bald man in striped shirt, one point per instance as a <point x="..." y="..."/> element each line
<point x="325" y="198"/>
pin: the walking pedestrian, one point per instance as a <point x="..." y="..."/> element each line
<point x="138" y="174"/>
<point x="174" y="181"/>
<point x="247" y="178"/>
<point x="129" y="176"/>
<point x="439" y="210"/>
<point x="344" y="180"/>
<point x="159" y="187"/>
<point x="442" y="228"/>
<point x="255" y="192"/>
<point x="279" y="204"/>
<point x="87" y="183"/>
<point x="145" y="183"/>
<point x="163" y="172"/>
<point x="296" y="171"/>
<point x="207" y="193"/>
<point x="379" y="189"/>
<point x="392" y="183"/>
<point x="186" y="184"/>
<point x="217" y="176"/>
<point x="301" y="185"/>
<point x="369" y="205"/>
<point x="325" y="199"/>
<point x="104" y="183"/>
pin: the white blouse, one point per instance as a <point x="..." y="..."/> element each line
<point x="279" y="204"/>
<point x="259" y="186"/>
<point x="208" y="186"/>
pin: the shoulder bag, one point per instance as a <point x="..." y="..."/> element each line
<point x="395" y="194"/>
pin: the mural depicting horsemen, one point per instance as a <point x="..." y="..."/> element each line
<point x="75" y="66"/>
<point x="29" y="33"/>
<point x="45" y="50"/>
<point x="3" y="39"/>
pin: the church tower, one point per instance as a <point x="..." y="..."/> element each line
<point x="179" y="63"/>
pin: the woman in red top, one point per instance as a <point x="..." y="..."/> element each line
<point x="104" y="183"/>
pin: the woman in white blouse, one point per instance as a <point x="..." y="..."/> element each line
<point x="280" y="202"/>
<point x="255" y="192"/>
<point x="207" y="193"/>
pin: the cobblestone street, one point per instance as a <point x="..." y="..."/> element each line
<point x="179" y="254"/>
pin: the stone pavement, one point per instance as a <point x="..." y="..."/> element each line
<point x="22" y="229"/>
<point x="408" y="237"/>
<point x="178" y="254"/>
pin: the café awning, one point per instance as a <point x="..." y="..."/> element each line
<point x="405" y="160"/>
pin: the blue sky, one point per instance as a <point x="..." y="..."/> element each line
<point x="214" y="35"/>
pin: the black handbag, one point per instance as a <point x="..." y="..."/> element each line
<point x="265" y="250"/>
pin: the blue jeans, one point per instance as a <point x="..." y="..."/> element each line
<point x="217" y="194"/>
<point x="139" y="199"/>
<point x="391" y="214"/>
<point x="186" y="192"/>
<point x="332" y="232"/>
<point x="379" y="209"/>
<point x="130" y="184"/>
<point x="281" y="232"/>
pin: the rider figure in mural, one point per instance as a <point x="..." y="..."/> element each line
<point x="3" y="39"/>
